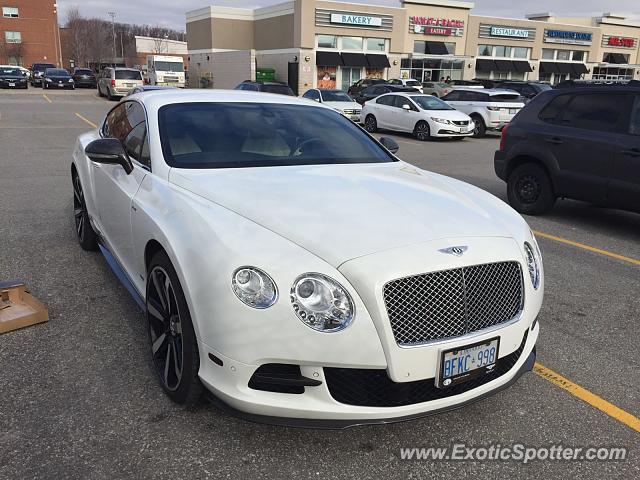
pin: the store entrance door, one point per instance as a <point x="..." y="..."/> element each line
<point x="350" y="75"/>
<point x="427" y="76"/>
<point x="293" y="75"/>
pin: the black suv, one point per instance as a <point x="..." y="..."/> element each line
<point x="363" y="83"/>
<point x="375" y="91"/>
<point x="528" y="90"/>
<point x="267" y="87"/>
<point x="581" y="143"/>
<point x="37" y="72"/>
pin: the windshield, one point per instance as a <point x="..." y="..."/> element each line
<point x="41" y="67"/>
<point x="128" y="75"/>
<point x="237" y="135"/>
<point x="413" y="83"/>
<point x="56" y="72"/>
<point x="169" y="67"/>
<point x="335" y="96"/>
<point x="429" y="102"/>
<point x="83" y="72"/>
<point x="10" y="72"/>
<point x="281" y="89"/>
<point x="505" y="97"/>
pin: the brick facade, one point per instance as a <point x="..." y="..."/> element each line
<point x="37" y="24"/>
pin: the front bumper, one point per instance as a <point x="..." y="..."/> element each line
<point x="13" y="85"/>
<point x="448" y="130"/>
<point x="317" y="406"/>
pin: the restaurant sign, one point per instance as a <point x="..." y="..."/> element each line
<point x="621" y="42"/>
<point x="497" y="31"/>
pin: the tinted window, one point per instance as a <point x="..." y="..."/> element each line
<point x="56" y="72"/>
<point x="10" y="72"/>
<point x="595" y="111"/>
<point x="503" y="97"/>
<point x="400" y="101"/>
<point x="83" y="72"/>
<point x="236" y="135"/>
<point x="386" y="100"/>
<point x="552" y="111"/>
<point x="395" y="82"/>
<point x="114" y="124"/>
<point x="134" y="113"/>
<point x="429" y="102"/>
<point x="452" y="97"/>
<point x="128" y="75"/>
<point x="335" y="96"/>
<point x="312" y="94"/>
<point x="634" y="128"/>
<point x="133" y="143"/>
<point x="279" y="89"/>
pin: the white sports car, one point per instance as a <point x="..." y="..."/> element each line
<point x="292" y="266"/>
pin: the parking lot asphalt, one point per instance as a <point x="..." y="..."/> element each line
<point x="77" y="394"/>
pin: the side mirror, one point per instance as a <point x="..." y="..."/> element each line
<point x="110" y="152"/>
<point x="406" y="107"/>
<point x="390" y="144"/>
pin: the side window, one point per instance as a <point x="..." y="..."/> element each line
<point x="634" y="127"/>
<point x="479" y="97"/>
<point x="313" y="95"/>
<point x="551" y="112"/>
<point x="386" y="100"/>
<point x="453" y="97"/>
<point x="597" y="111"/>
<point x="400" y="101"/>
<point x="134" y="141"/>
<point x="115" y="124"/>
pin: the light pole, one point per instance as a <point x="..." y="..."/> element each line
<point x="113" y="28"/>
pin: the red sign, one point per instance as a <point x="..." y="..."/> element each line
<point x="438" y="31"/>
<point x="622" y="42"/>
<point x="438" y="22"/>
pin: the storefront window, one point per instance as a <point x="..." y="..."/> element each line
<point x="502" y="51"/>
<point x="419" y="46"/>
<point x="548" y="54"/>
<point x="451" y="48"/>
<point x="579" y="56"/>
<point x="327" y="77"/>
<point x="351" y="43"/>
<point x="405" y="63"/>
<point x="485" y="50"/>
<point x="350" y="76"/>
<point x="327" y="41"/>
<point x="376" y="45"/>
<point x="564" y="55"/>
<point x="520" y="52"/>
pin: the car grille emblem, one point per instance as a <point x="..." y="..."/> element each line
<point x="457" y="251"/>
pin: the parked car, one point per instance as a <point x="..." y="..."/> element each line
<point x="425" y="116"/>
<point x="57" y="78"/>
<point x="406" y="82"/>
<point x="363" y="83"/>
<point x="581" y="143"/>
<point x="266" y="87"/>
<point x="12" y="77"/>
<point x="149" y="88"/>
<point x="118" y="81"/>
<point x="37" y="72"/>
<point x="437" y="89"/>
<point x="527" y="90"/>
<point x="292" y="266"/>
<point x="485" y="82"/>
<point x="370" y="93"/>
<point x="454" y="84"/>
<point x="336" y="99"/>
<point x="490" y="109"/>
<point x="25" y="71"/>
<point x="84" y="77"/>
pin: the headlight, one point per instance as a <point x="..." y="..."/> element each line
<point x="254" y="287"/>
<point x="441" y="120"/>
<point x="531" y="256"/>
<point x="47" y="79"/>
<point x="71" y="80"/>
<point x="321" y="302"/>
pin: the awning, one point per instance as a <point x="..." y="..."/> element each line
<point x="354" y="60"/>
<point x="617" y="58"/>
<point x="548" y="67"/>
<point x="378" y="60"/>
<point x="328" y="59"/>
<point x="579" y="68"/>
<point x="436" y="48"/>
<point x="564" y="67"/>
<point x="485" y="65"/>
<point x="522" y="66"/>
<point x="504" y="66"/>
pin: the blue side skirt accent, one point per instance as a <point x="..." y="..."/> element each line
<point x="123" y="277"/>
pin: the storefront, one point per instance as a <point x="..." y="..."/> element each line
<point x="616" y="55"/>
<point x="504" y="51"/>
<point x="564" y="55"/>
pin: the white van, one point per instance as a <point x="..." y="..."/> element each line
<point x="165" y="70"/>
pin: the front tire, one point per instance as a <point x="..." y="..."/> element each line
<point x="174" y="348"/>
<point x="480" y="129"/>
<point x="529" y="189"/>
<point x="422" y="131"/>
<point x="370" y="124"/>
<point x="87" y="237"/>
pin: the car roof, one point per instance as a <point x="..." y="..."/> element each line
<point x="490" y="91"/>
<point x="125" y="68"/>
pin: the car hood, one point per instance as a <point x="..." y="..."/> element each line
<point x="12" y="77"/>
<point x="455" y="115"/>
<point x="341" y="212"/>
<point x="343" y="105"/>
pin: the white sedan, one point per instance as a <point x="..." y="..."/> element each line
<point x="425" y="116"/>
<point x="292" y="266"/>
<point x="336" y="99"/>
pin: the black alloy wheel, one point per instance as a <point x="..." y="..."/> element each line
<point x="422" y="131"/>
<point x="529" y="189"/>
<point x="84" y="231"/>
<point x="370" y="124"/>
<point x="479" y="128"/>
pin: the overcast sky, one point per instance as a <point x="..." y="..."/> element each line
<point x="170" y="13"/>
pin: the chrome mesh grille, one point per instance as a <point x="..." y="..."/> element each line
<point x="451" y="303"/>
<point x="461" y="122"/>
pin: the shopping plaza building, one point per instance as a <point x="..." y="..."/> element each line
<point x="319" y="43"/>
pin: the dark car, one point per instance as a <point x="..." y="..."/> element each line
<point x="37" y="72"/>
<point x="267" y="87"/>
<point x="12" y="78"/>
<point x="84" y="77"/>
<point x="374" y="91"/>
<point x="363" y="83"/>
<point x="527" y="90"/>
<point x="581" y="143"/>
<point x="57" y="78"/>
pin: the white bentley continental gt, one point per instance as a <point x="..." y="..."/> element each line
<point x="293" y="268"/>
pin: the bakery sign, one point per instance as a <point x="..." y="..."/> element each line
<point x="356" y="19"/>
<point x="444" y="27"/>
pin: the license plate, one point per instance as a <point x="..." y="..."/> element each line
<point x="462" y="364"/>
<point x="513" y="111"/>
<point x="128" y="84"/>
<point x="12" y="84"/>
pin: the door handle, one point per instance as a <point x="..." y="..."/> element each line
<point x="554" y="141"/>
<point x="633" y="152"/>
